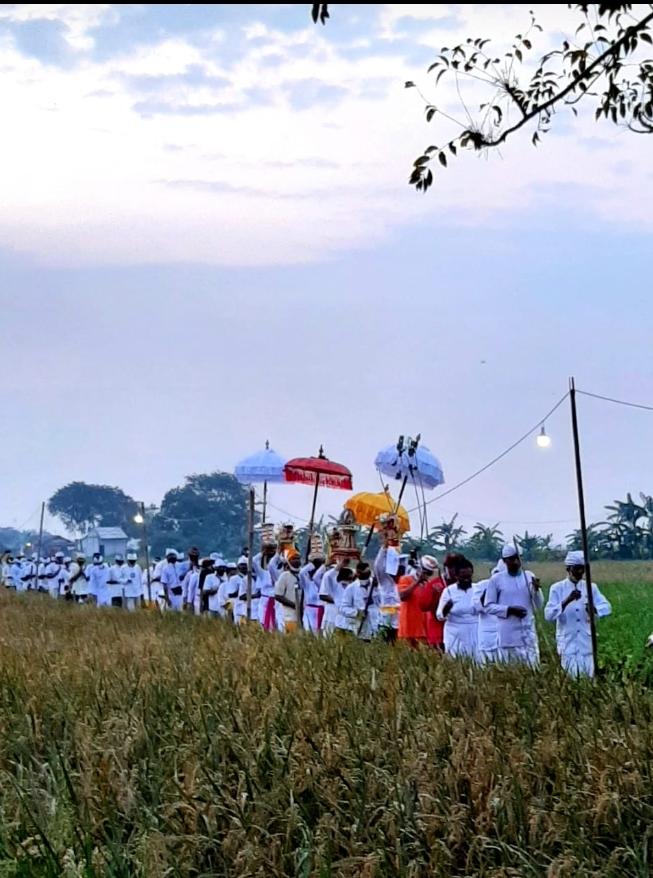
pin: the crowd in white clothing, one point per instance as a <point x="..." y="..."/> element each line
<point x="489" y="621"/>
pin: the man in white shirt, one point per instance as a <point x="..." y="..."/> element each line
<point x="287" y="593"/>
<point x="568" y="608"/>
<point x="133" y="588"/>
<point x="171" y="582"/>
<point x="332" y="588"/>
<point x="78" y="580"/>
<point x="310" y="577"/>
<point x="28" y="578"/>
<point x="117" y="581"/>
<point x="212" y="585"/>
<point x="56" y="576"/>
<point x="15" y="573"/>
<point x="228" y="592"/>
<point x="512" y="596"/>
<point x="98" y="578"/>
<point x="358" y="612"/>
<point x="262" y="570"/>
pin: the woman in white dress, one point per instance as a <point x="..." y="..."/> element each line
<point x="459" y="613"/>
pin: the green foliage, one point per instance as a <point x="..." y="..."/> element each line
<point x="208" y="511"/>
<point x="81" y="507"/>
<point x="600" y="64"/>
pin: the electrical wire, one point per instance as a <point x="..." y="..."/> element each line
<point x="499" y="456"/>
<point x="633" y="405"/>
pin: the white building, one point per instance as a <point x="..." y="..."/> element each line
<point x="108" y="541"/>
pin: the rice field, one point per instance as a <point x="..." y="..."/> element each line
<point x="148" y="745"/>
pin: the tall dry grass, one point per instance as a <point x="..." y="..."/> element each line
<point x="139" y="745"/>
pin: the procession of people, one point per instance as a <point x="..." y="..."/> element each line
<point x="338" y="593"/>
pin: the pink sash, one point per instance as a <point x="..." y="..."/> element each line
<point x="269" y="620"/>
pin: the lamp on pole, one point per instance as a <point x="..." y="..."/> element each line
<point x="140" y="518"/>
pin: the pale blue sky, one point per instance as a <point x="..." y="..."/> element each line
<point x="207" y="240"/>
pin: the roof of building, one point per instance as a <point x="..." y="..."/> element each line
<point x="108" y="533"/>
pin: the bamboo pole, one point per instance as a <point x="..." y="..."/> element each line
<point x="583" y="523"/>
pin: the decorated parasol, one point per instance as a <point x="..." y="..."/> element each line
<point x="368" y="508"/>
<point x="263" y="466"/>
<point x="410" y="461"/>
<point x="318" y="471"/>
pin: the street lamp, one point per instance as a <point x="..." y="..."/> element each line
<point x="139" y="518"/>
<point x="543" y="440"/>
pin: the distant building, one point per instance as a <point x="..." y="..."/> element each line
<point x="108" y="541"/>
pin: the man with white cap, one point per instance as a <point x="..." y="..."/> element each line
<point x="567" y="606"/>
<point x="512" y="596"/>
<point x="118" y="579"/>
<point x="287" y="594"/>
<point x="98" y="579"/>
<point x="358" y="612"/>
<point x="310" y="577"/>
<point x="265" y="585"/>
<point x="171" y="582"/>
<point x="133" y="588"/>
<point x="240" y="608"/>
<point x="15" y="573"/>
<point x="78" y="580"/>
<point x="28" y="578"/>
<point x="212" y="585"/>
<point x="56" y="576"/>
<point x="228" y="592"/>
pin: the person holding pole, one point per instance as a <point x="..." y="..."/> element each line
<point x="512" y="596"/>
<point x="171" y="582"/>
<point x="568" y="607"/>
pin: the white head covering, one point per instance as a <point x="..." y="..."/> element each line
<point x="80" y="556"/>
<point x="428" y="563"/>
<point x="243" y="560"/>
<point x="230" y="565"/>
<point x="214" y="556"/>
<point x="219" y="562"/>
<point x="132" y="556"/>
<point x="509" y="551"/>
<point x="58" y="555"/>
<point x="172" y="552"/>
<point x="575" y="559"/>
<point x="118" y="558"/>
<point x="33" y="556"/>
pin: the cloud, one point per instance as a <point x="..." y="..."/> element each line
<point x="305" y="157"/>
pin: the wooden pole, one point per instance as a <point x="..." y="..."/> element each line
<point x="38" y="551"/>
<point x="147" y="555"/>
<point x="265" y="499"/>
<point x="401" y="494"/>
<point x="250" y="546"/>
<point x="583" y="523"/>
<point x="312" y="521"/>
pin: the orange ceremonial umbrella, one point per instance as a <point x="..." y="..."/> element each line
<point x="368" y="508"/>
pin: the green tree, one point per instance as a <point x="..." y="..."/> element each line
<point x="81" y="507"/>
<point x="208" y="511"/>
<point x="602" y="65"/>
<point x="447" y="535"/>
<point x="485" y="542"/>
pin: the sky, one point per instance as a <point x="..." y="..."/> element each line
<point x="207" y="240"/>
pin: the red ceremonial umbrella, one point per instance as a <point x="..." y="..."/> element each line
<point x="318" y="471"/>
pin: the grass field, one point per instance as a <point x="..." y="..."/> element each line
<point x="141" y="745"/>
